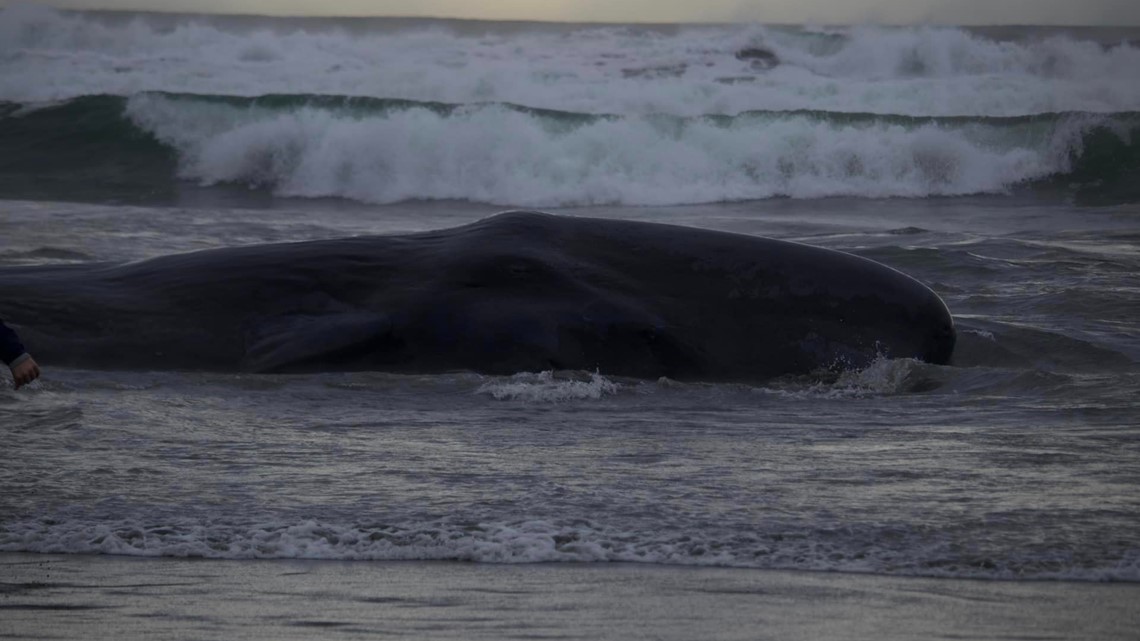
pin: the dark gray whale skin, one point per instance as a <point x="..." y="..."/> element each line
<point x="519" y="291"/>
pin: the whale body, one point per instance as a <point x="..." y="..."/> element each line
<point x="519" y="291"/>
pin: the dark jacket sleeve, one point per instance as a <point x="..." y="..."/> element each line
<point x="10" y="346"/>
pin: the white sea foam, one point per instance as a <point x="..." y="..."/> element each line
<point x="910" y="551"/>
<point x="504" y="156"/>
<point x="45" y="54"/>
<point x="882" y="377"/>
<point x="544" y="387"/>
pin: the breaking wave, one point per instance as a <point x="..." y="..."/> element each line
<point x="384" y="150"/>
<point x="684" y="70"/>
<point x="888" y="548"/>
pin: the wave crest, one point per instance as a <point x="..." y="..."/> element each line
<point x="383" y="151"/>
<point x="690" y="71"/>
<point x="887" y="548"/>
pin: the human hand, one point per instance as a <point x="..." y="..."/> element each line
<point x="25" y="372"/>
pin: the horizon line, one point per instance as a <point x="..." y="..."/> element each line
<point x="301" y="16"/>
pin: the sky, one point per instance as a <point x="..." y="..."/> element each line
<point x="1071" y="12"/>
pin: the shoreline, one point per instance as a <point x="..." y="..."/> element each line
<point x="77" y="596"/>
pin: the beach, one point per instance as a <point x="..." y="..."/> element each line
<point x="52" y="596"/>
<point x="991" y="497"/>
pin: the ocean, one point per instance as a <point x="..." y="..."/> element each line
<point x="999" y="166"/>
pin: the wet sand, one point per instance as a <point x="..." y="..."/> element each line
<point x="104" y="597"/>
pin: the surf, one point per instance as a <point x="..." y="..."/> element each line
<point x="382" y="150"/>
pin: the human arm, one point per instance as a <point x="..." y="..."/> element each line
<point x="12" y="353"/>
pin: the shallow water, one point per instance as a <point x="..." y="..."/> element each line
<point x="1018" y="461"/>
<point x="70" y="596"/>
<point x="999" y="166"/>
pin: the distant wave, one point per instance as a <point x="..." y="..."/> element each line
<point x="688" y="71"/>
<point x="387" y="150"/>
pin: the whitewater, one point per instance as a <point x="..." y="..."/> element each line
<point x="571" y="115"/>
<point x="679" y="70"/>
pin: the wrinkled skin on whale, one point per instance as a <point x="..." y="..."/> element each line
<point x="519" y="291"/>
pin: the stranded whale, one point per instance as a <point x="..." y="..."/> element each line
<point x="519" y="291"/>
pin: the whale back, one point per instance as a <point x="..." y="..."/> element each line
<point x="519" y="291"/>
